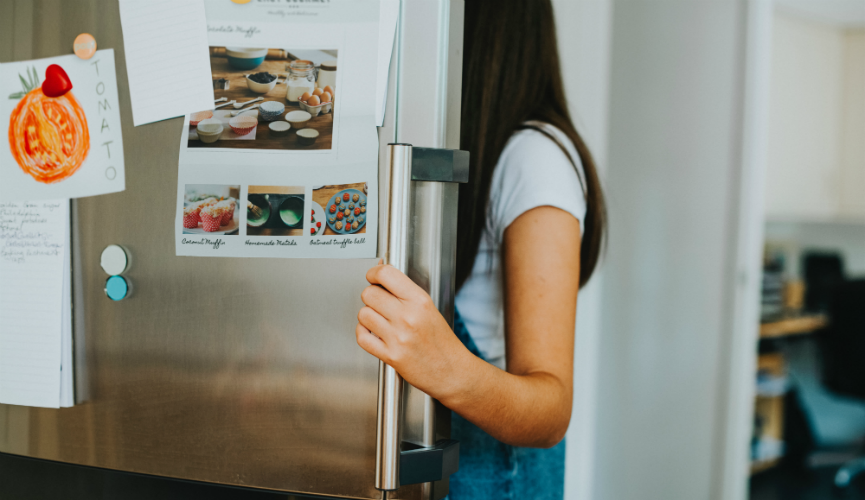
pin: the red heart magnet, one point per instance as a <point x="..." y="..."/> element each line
<point x="56" y="82"/>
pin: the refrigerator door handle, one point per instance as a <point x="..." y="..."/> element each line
<point x="390" y="383"/>
<point x="408" y="163"/>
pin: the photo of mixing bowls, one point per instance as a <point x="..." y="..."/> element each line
<point x="275" y="211"/>
<point x="244" y="57"/>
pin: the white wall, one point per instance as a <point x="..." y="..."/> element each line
<point x="804" y="165"/>
<point x="583" y="30"/>
<point x="674" y="183"/>
<point x="853" y="125"/>
<point x="816" y="159"/>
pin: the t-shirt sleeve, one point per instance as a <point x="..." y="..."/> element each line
<point x="532" y="172"/>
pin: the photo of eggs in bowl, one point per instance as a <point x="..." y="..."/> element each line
<point x="319" y="101"/>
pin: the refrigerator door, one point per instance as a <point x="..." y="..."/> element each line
<point x="241" y="372"/>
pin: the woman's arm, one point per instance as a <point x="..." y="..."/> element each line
<point x="530" y="404"/>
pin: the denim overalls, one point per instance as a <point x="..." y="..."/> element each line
<point x="490" y="469"/>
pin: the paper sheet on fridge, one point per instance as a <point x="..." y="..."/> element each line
<point x="306" y="185"/>
<point x="60" y="146"/>
<point x="165" y="42"/>
<point x="35" y="328"/>
<point x="388" y="17"/>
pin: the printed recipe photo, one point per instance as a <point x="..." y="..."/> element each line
<point x="343" y="206"/>
<point x="275" y="211"/>
<point x="266" y="98"/>
<point x="211" y="209"/>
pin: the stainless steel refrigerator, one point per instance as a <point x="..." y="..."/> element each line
<point x="266" y="388"/>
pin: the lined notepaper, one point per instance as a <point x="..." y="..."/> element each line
<point x="34" y="270"/>
<point x="167" y="58"/>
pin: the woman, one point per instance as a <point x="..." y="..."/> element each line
<point x="531" y="221"/>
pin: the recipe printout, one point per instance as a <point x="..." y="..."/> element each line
<point x="60" y="128"/>
<point x="300" y="78"/>
<point x="35" y="304"/>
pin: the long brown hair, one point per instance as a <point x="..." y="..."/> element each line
<point x="511" y="74"/>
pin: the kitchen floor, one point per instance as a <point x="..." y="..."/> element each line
<point x="814" y="484"/>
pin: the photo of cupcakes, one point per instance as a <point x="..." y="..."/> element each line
<point x="227" y="207"/>
<point x="211" y="218"/>
<point x="191" y="218"/>
<point x="209" y="208"/>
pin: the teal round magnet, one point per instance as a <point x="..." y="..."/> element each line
<point x="116" y="288"/>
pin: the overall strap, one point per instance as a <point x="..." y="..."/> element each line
<point x="463" y="334"/>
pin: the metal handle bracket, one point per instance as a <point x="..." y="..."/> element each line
<point x="441" y="165"/>
<point x="426" y="465"/>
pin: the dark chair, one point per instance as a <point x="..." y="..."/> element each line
<point x="843" y="347"/>
<point x="821" y="271"/>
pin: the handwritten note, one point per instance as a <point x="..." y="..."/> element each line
<point x="167" y="58"/>
<point x="34" y="272"/>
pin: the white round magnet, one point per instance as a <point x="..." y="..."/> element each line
<point x="114" y="260"/>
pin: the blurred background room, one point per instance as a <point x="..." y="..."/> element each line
<point x="720" y="350"/>
<point x="720" y="347"/>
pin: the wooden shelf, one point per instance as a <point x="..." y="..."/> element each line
<point x="796" y="325"/>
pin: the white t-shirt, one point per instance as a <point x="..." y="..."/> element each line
<point x="532" y="172"/>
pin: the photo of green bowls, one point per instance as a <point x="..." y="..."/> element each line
<point x="275" y="214"/>
<point x="257" y="210"/>
<point x="291" y="211"/>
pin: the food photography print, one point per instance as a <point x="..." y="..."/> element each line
<point x="270" y="99"/>
<point x="275" y="211"/>
<point x="211" y="209"/>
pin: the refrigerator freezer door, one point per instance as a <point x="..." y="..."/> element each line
<point x="241" y="372"/>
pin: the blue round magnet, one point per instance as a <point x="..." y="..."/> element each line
<point x="116" y="288"/>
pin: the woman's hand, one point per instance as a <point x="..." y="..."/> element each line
<point x="401" y="326"/>
<point x="530" y="403"/>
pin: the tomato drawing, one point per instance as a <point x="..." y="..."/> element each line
<point x="48" y="133"/>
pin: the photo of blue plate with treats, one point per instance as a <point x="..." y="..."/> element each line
<point x="351" y="221"/>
